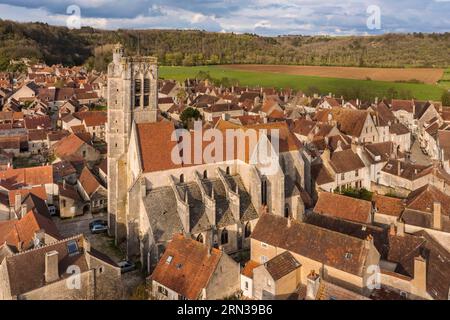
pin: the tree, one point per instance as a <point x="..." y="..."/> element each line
<point x="446" y="98"/>
<point x="188" y="115"/>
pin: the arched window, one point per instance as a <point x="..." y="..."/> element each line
<point x="228" y="170"/>
<point x="200" y="238"/>
<point x="286" y="211"/>
<point x="205" y="174"/>
<point x="181" y="178"/>
<point x="264" y="192"/>
<point x="248" y="230"/>
<point x="224" y="236"/>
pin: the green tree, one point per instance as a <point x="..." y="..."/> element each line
<point x="446" y="98"/>
<point x="188" y="115"/>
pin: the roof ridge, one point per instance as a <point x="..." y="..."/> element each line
<point x="48" y="245"/>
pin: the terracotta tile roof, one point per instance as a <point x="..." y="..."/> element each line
<point x="156" y="153"/>
<point x="20" y="233"/>
<point x="68" y="191"/>
<point x="406" y="105"/>
<point x="92" y="118"/>
<point x="398" y="129"/>
<point x="37" y="191"/>
<point x="29" y="176"/>
<point x="282" y="265"/>
<point x="343" y="207"/>
<point x="407" y="170"/>
<point x="248" y="268"/>
<point x="388" y="205"/>
<point x="186" y="266"/>
<point x="37" y="135"/>
<point x="26" y="269"/>
<point x="422" y="200"/>
<point x="89" y="181"/>
<point x="38" y="122"/>
<point x="331" y="248"/>
<point x="320" y="174"/>
<point x="349" y="121"/>
<point x="68" y="146"/>
<point x="346" y="161"/>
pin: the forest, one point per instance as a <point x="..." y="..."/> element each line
<point x="92" y="47"/>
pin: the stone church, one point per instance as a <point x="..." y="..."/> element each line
<point x="151" y="198"/>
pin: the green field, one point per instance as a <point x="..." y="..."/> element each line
<point x="297" y="82"/>
<point x="445" y="81"/>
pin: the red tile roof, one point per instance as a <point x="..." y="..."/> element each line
<point x="343" y="207"/>
<point x="186" y="266"/>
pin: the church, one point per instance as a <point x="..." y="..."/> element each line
<point x="151" y="197"/>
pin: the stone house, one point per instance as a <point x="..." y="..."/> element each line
<point x="404" y="177"/>
<point x="68" y="269"/>
<point x="75" y="146"/>
<point x="338" y="258"/>
<point x="71" y="203"/>
<point x="277" y="279"/>
<point x="189" y="270"/>
<point x="92" y="191"/>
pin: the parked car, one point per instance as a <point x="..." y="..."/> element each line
<point x="126" y="266"/>
<point x="98" y="228"/>
<point x="99" y="222"/>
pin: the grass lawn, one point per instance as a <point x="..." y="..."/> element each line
<point x="297" y="82"/>
<point x="445" y="81"/>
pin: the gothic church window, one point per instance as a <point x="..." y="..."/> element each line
<point x="248" y="230"/>
<point x="224" y="237"/>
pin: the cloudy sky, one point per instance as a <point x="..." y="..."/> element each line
<point x="264" y="17"/>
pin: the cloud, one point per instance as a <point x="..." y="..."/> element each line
<point x="266" y="17"/>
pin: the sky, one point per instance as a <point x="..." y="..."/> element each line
<point x="263" y="17"/>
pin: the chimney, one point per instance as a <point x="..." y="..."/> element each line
<point x="17" y="201"/>
<point x="24" y="211"/>
<point x="39" y="238"/>
<point x="400" y="228"/>
<point x="312" y="285"/>
<point x="399" y="168"/>
<point x="392" y="230"/>
<point x="289" y="223"/>
<point x="437" y="215"/>
<point x="368" y="243"/>
<point x="420" y="274"/>
<point x="51" y="266"/>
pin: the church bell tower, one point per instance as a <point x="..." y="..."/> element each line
<point x="132" y="97"/>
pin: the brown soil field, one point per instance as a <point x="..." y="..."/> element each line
<point x="425" y="75"/>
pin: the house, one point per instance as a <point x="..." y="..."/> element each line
<point x="443" y="145"/>
<point x="346" y="169"/>
<point x="37" y="141"/>
<point x="336" y="257"/>
<point x="6" y="159"/>
<point x="75" y="146"/>
<point x="416" y="266"/>
<point x="357" y="124"/>
<point x="94" y="122"/>
<point x="404" y="177"/>
<point x="404" y="111"/>
<point x="93" y="191"/>
<point x="189" y="270"/>
<point x="388" y="210"/>
<point x="31" y="231"/>
<point x="227" y="110"/>
<point x="343" y="207"/>
<point x="71" y="203"/>
<point x="376" y="155"/>
<point x="427" y="208"/>
<point x="32" y="177"/>
<point x="26" y="93"/>
<point x="68" y="269"/>
<point x="277" y="279"/>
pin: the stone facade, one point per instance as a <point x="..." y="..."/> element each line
<point x="132" y="97"/>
